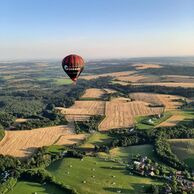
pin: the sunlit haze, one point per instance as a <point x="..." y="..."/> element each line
<point x="96" y="28"/>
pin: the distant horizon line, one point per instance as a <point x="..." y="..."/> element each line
<point x="91" y="59"/>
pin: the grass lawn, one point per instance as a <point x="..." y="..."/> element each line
<point x="126" y="153"/>
<point x="63" y="81"/>
<point x="30" y="188"/>
<point x="94" y="175"/>
<point x="96" y="139"/>
<point x="58" y="81"/>
<point x="184" y="149"/>
<point x="142" y="122"/>
<point x="55" y="148"/>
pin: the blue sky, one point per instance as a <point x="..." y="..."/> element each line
<point x="96" y="28"/>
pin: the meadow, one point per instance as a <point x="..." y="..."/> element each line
<point x="95" y="139"/>
<point x="23" y="187"/>
<point x="184" y="149"/>
<point x="143" y="122"/>
<point x="127" y="153"/>
<point x="106" y="172"/>
<point x="106" y="177"/>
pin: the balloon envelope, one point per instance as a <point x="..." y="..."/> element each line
<point x="73" y="65"/>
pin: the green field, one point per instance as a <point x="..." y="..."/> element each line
<point x="142" y="122"/>
<point x="126" y="153"/>
<point x="184" y="149"/>
<point x="94" y="175"/>
<point x="32" y="188"/>
<point x="63" y="81"/>
<point x="58" y="81"/>
<point x="55" y="148"/>
<point x="96" y="139"/>
<point x="188" y="113"/>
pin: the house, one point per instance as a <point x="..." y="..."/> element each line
<point x="137" y="163"/>
<point x="64" y="153"/>
<point x="143" y="159"/>
<point x="151" y="173"/>
<point x="150" y="121"/>
<point x="178" y="173"/>
<point x="142" y="166"/>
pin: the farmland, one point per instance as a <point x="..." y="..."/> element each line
<point x="95" y="139"/>
<point x="93" y="93"/>
<point x="23" y="143"/>
<point x="132" y="78"/>
<point x="82" y="110"/>
<point x="150" y="122"/>
<point x="184" y="149"/>
<point x="30" y="187"/>
<point x="106" y="177"/>
<point x="127" y="153"/>
<point x="114" y="74"/>
<point x="172" y="121"/>
<point x="169" y="84"/>
<point x="169" y="101"/>
<point x="122" y="114"/>
<point x="146" y="66"/>
<point x="98" y="157"/>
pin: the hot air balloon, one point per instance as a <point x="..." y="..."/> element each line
<point x="73" y="65"/>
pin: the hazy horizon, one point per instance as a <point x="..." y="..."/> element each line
<point x="91" y="59"/>
<point x="96" y="30"/>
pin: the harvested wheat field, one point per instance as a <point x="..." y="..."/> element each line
<point x="145" y="97"/>
<point x="21" y="120"/>
<point x="77" y="117"/>
<point x="122" y="114"/>
<point x="131" y="78"/>
<point x="93" y="93"/>
<point x="169" y="101"/>
<point x="121" y="83"/>
<point x="146" y="66"/>
<point x="115" y="74"/>
<point x="72" y="139"/>
<point x="23" y="143"/>
<point x="82" y="110"/>
<point x="172" y="121"/>
<point x="169" y="84"/>
<point x="121" y="99"/>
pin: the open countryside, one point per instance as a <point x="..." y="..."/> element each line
<point x="97" y="97"/>
<point x="99" y="134"/>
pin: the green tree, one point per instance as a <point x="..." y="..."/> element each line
<point x="6" y="120"/>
